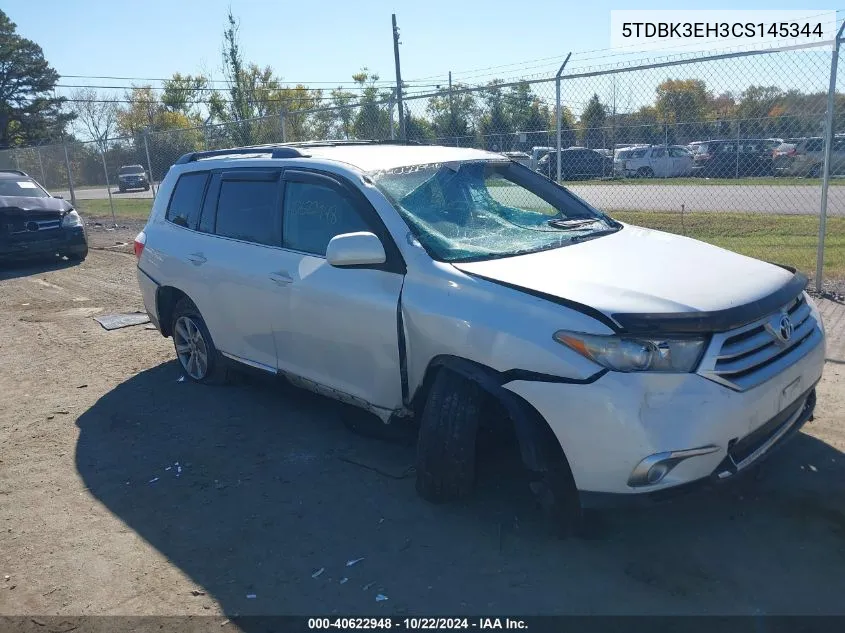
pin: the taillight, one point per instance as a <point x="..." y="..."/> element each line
<point x="140" y="242"/>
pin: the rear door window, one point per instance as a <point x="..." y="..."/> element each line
<point x="186" y="201"/>
<point x="248" y="207"/>
<point x="658" y="153"/>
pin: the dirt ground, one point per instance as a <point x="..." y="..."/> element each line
<point x="124" y="490"/>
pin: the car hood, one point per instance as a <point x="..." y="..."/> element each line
<point x="637" y="277"/>
<point x="23" y="204"/>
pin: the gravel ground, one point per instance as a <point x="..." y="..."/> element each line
<point x="125" y="491"/>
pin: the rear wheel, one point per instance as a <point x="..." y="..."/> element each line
<point x="200" y="360"/>
<point x="446" y="445"/>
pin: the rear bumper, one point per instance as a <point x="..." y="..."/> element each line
<point x="64" y="241"/>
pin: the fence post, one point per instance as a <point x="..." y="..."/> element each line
<point x="282" y="125"/>
<point x="558" y="112"/>
<point x="41" y="167"/>
<point x="828" y="145"/>
<point x="69" y="177"/>
<point x="738" y="127"/>
<point x="149" y="164"/>
<point x="108" y="184"/>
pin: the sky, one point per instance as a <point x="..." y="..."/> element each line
<point x="322" y="43"/>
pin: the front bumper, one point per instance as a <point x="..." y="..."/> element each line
<point x="62" y="241"/>
<point x="606" y="428"/>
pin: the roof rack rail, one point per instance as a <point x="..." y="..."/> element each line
<point x="275" y="151"/>
<point x="332" y="142"/>
<point x="15" y="171"/>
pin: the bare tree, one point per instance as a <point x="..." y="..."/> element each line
<point x="96" y="114"/>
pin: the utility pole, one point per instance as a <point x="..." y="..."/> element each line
<point x="402" y="135"/>
<point x="452" y="111"/>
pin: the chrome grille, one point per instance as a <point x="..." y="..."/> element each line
<point x="744" y="358"/>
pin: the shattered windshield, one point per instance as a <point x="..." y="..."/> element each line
<point x="473" y="210"/>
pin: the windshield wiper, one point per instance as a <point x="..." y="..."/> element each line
<point x="588" y="236"/>
<point x="561" y="223"/>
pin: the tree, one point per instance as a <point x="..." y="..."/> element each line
<point x="683" y="105"/>
<point x="528" y="115"/>
<point x="372" y="120"/>
<point x="29" y="112"/>
<point x="593" y="123"/>
<point x="96" y="116"/>
<point x="452" y="115"/>
<point x="756" y="105"/>
<point x="184" y="93"/>
<point x="345" y="114"/>
<point x="417" y="128"/>
<point x="495" y="128"/>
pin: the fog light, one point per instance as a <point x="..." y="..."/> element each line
<point x="657" y="472"/>
<point x="655" y="467"/>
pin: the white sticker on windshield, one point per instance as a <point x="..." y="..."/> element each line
<point x="25" y="184"/>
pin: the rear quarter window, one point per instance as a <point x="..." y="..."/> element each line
<point x="186" y="201"/>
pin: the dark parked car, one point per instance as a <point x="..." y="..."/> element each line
<point x="32" y="222"/>
<point x="132" y="177"/>
<point x="576" y="163"/>
<point x="732" y="158"/>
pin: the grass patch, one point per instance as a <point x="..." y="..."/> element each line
<point x="126" y="208"/>
<point x="785" y="239"/>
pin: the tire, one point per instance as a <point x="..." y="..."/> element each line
<point x="122" y="189"/>
<point x="146" y="187"/>
<point x="446" y="444"/>
<point x="645" y="172"/>
<point x="188" y="325"/>
<point x="77" y="256"/>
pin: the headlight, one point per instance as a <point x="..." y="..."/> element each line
<point x="635" y="354"/>
<point x="71" y="220"/>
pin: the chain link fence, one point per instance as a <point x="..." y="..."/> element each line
<point x="728" y="148"/>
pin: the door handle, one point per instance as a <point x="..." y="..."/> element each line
<point x="197" y="259"/>
<point x="281" y="278"/>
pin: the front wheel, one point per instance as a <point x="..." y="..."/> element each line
<point x="446" y="445"/>
<point x="195" y="349"/>
<point x="645" y="172"/>
<point x="77" y="256"/>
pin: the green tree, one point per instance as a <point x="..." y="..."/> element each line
<point x="593" y="121"/>
<point x="372" y="120"/>
<point x="495" y="128"/>
<point x="418" y="129"/>
<point x="452" y="115"/>
<point x="682" y="105"/>
<point x="29" y="110"/>
<point x="343" y="101"/>
<point x="185" y="93"/>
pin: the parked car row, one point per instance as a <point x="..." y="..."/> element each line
<point x="717" y="158"/>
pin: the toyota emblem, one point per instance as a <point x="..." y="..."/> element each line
<point x="32" y="226"/>
<point x="786" y="328"/>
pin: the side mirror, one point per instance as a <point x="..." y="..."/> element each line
<point x="355" y="249"/>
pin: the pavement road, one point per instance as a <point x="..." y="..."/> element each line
<point x="782" y="199"/>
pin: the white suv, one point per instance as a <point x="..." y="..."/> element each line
<point x="650" y="161"/>
<point x="417" y="282"/>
